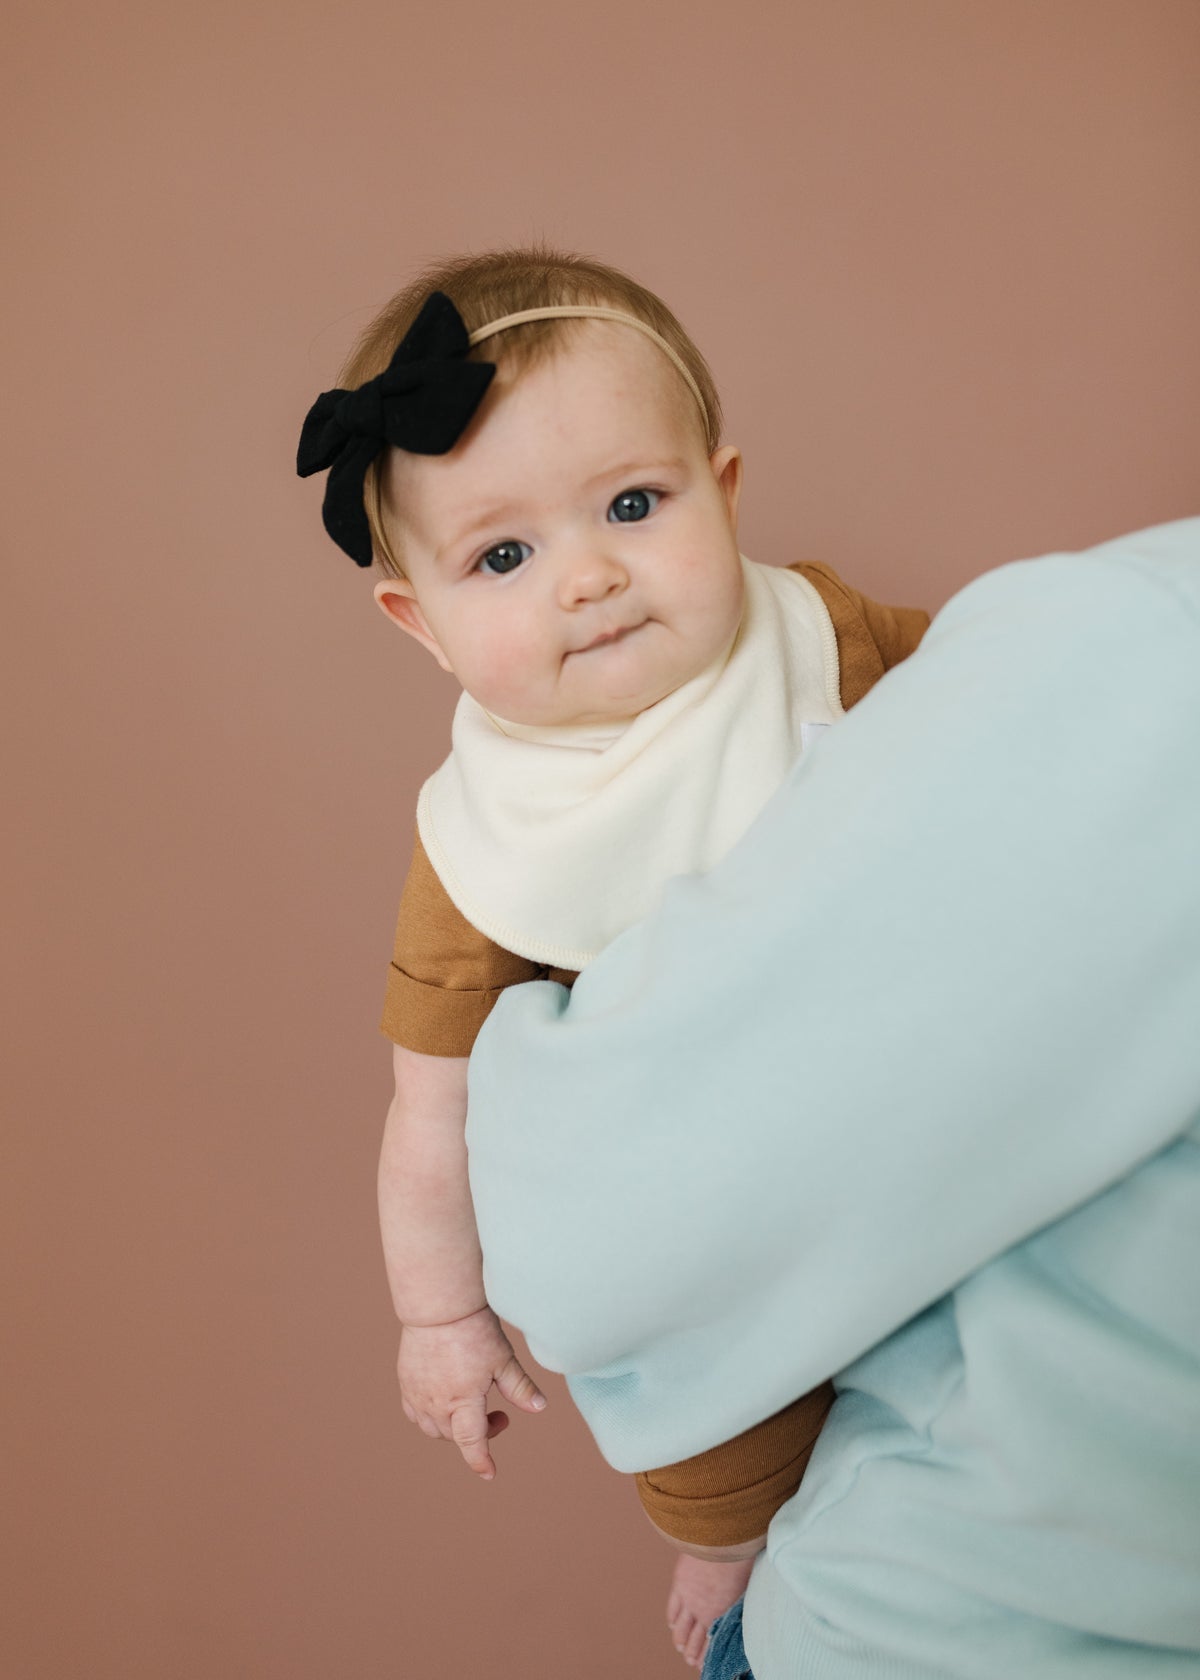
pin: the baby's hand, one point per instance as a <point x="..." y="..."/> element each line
<point x="445" y="1373"/>
<point x="702" y="1590"/>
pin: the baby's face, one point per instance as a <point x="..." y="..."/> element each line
<point x="574" y="558"/>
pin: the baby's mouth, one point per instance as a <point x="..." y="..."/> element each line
<point x="608" y="636"/>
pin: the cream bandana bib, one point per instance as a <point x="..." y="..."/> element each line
<point x="552" y="840"/>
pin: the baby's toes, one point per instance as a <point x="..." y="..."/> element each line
<point x="693" y="1648"/>
<point x="682" y="1626"/>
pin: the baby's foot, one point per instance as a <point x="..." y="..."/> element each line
<point x="702" y="1590"/>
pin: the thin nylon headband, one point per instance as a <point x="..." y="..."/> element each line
<point x="600" y="314"/>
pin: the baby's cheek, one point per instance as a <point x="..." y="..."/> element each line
<point x="511" y="670"/>
<point x="718" y="598"/>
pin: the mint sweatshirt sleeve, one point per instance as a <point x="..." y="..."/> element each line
<point x="946" y="990"/>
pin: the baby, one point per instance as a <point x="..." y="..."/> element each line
<point x="528" y="444"/>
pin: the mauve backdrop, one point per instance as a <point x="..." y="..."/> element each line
<point x="944" y="258"/>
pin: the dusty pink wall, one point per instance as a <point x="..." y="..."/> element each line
<point x="944" y="258"/>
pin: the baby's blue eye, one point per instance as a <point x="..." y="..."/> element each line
<point x="505" y="557"/>
<point x="633" y="504"/>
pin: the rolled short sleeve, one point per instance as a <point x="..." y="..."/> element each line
<point x="445" y="975"/>
<point x="728" y="1495"/>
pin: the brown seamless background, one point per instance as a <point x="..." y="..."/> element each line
<point x="944" y="260"/>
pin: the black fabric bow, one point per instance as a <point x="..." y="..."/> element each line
<point x="421" y="402"/>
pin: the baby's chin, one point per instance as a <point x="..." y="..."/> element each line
<point x="614" y="716"/>
<point x="599" y="711"/>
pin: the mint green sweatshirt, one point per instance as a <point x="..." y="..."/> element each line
<point x="907" y="1092"/>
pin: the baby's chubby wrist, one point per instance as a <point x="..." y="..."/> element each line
<point x="446" y="1323"/>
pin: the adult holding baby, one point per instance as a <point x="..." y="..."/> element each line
<point x="906" y="1093"/>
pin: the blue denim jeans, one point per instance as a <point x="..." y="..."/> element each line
<point x="725" y="1658"/>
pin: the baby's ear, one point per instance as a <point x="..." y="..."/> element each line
<point x="726" y="464"/>
<point x="398" y="600"/>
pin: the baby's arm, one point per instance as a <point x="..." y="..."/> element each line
<point x="452" y="1347"/>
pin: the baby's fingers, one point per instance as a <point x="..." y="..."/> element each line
<point x="469" y="1431"/>
<point x="515" y="1383"/>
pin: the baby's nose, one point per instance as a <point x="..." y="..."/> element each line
<point x="590" y="575"/>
